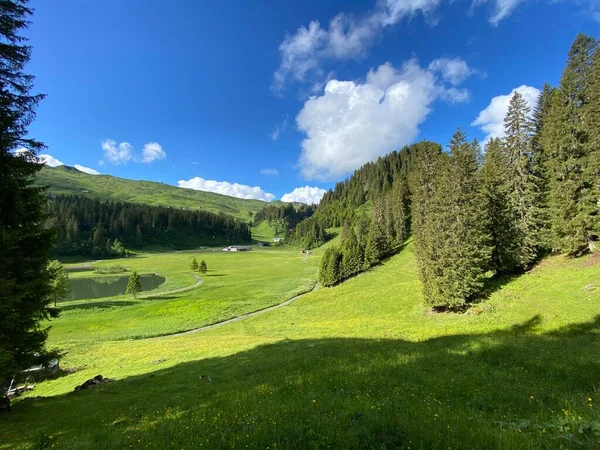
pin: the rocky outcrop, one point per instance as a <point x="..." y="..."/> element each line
<point x="98" y="379"/>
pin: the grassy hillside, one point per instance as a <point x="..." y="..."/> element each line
<point x="67" y="180"/>
<point x="361" y="365"/>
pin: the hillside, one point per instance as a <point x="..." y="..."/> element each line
<point x="69" y="181"/>
<point x="355" y="366"/>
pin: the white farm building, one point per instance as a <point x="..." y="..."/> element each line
<point x="237" y="248"/>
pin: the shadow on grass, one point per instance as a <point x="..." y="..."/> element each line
<point x="515" y="388"/>
<point x="97" y="305"/>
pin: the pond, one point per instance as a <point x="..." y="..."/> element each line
<point x="90" y="288"/>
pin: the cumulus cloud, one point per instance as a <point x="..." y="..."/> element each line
<point x="269" y="172"/>
<point x="353" y="122"/>
<point x="279" y="128"/>
<point x="226" y="188"/>
<point x="117" y="153"/>
<point x="452" y="70"/>
<point x="346" y="37"/>
<point x="152" y="151"/>
<point x="87" y="170"/>
<point x="307" y="194"/>
<point x="491" y="119"/>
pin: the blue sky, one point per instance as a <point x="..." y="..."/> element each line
<point x="257" y="99"/>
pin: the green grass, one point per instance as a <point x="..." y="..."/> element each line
<point x="361" y="365"/>
<point x="263" y="232"/>
<point x="65" y="180"/>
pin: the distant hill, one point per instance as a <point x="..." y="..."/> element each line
<point x="65" y="180"/>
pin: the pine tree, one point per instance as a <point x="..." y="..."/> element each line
<point x="329" y="270"/>
<point x="499" y="211"/>
<point x="351" y="255"/>
<point x="194" y="265"/>
<point x="572" y="188"/>
<point x="203" y="267"/>
<point x="399" y="206"/>
<point x="592" y="125"/>
<point x="25" y="243"/>
<point x="134" y="285"/>
<point x="522" y="185"/>
<point x="540" y="115"/>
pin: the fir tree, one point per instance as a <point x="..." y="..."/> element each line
<point x="194" y="265"/>
<point x="351" y="255"/>
<point x="203" y="267"/>
<point x="592" y="125"/>
<point x="500" y="213"/>
<point x="522" y="185"/>
<point x="572" y="188"/>
<point x="25" y="243"/>
<point x="464" y="250"/>
<point x="134" y="285"/>
<point x="378" y="240"/>
<point x="329" y="270"/>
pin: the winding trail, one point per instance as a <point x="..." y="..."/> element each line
<point x="235" y="319"/>
<point x="175" y="291"/>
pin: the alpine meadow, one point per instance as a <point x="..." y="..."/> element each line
<point x="436" y="285"/>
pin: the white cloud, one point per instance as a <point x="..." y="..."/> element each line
<point x="117" y="154"/>
<point x="49" y="160"/>
<point x="353" y="123"/>
<point x="269" y="172"/>
<point x="491" y="119"/>
<point x="86" y="170"/>
<point x="152" y="151"/>
<point x="452" y="70"/>
<point x="280" y="128"/>
<point x="306" y="194"/>
<point x="226" y="188"/>
<point x="346" y="37"/>
<point x="124" y="152"/>
<point x="500" y="9"/>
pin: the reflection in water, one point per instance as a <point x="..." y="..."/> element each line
<point x="89" y="288"/>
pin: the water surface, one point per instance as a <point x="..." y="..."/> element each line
<point x="90" y="288"/>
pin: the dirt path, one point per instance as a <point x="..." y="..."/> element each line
<point x="238" y="318"/>
<point x="175" y="291"/>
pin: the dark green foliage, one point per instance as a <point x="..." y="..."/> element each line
<point x="94" y="228"/>
<point x="499" y="211"/>
<point x="566" y="142"/>
<point x="592" y="115"/>
<point x="203" y="268"/>
<point x="522" y="186"/>
<point x="284" y="217"/>
<point x="352" y="255"/>
<point x="330" y="269"/>
<point x="308" y="234"/>
<point x="25" y="240"/>
<point x="194" y="266"/>
<point x="450" y="225"/>
<point x="134" y="285"/>
<point x="378" y="238"/>
<point x="400" y="210"/>
<point x="540" y="115"/>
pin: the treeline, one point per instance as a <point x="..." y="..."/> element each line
<point x="369" y="241"/>
<point x="94" y="228"/>
<point x="534" y="191"/>
<point x="308" y="234"/>
<point x="284" y="217"/>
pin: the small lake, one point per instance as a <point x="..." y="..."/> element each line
<point x="90" y="288"/>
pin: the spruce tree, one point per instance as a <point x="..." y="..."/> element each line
<point x="592" y="125"/>
<point x="194" y="265"/>
<point x="203" y="267"/>
<point x="572" y="195"/>
<point x="500" y="213"/>
<point x="399" y="206"/>
<point x="522" y="185"/>
<point x="329" y="270"/>
<point x="25" y="241"/>
<point x="464" y="247"/>
<point x="351" y="255"/>
<point x="378" y="240"/>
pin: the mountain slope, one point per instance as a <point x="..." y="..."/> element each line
<point x="64" y="180"/>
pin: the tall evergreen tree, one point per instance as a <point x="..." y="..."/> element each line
<point x="500" y="213"/>
<point x="203" y="267"/>
<point x="194" y="264"/>
<point x="592" y="117"/>
<point x="540" y="114"/>
<point x="134" y="285"/>
<point x="464" y="250"/>
<point x="572" y="188"/>
<point x="378" y="240"/>
<point x="25" y="241"/>
<point x="522" y="185"/>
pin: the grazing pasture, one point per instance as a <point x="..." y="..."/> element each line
<point x="360" y="365"/>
